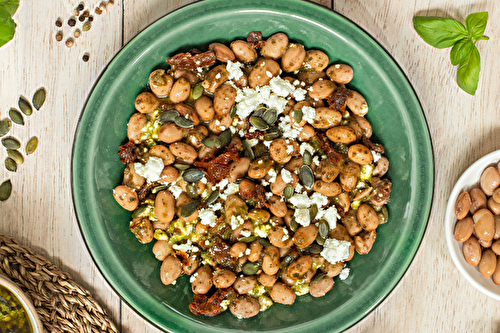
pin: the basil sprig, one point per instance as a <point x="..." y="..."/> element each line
<point x="7" y="24"/>
<point x="442" y="32"/>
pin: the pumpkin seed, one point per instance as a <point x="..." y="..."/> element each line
<point x="264" y="242"/>
<point x="297" y="115"/>
<point x="318" y="277"/>
<point x="306" y="176"/>
<point x="315" y="248"/>
<point x="320" y="240"/>
<point x="139" y="210"/>
<point x="248" y="239"/>
<point x="211" y="143"/>
<point x="293" y="224"/>
<point x="16" y="116"/>
<point x="259" y="123"/>
<point x="313" y="211"/>
<point x="383" y="215"/>
<point x="247" y="150"/>
<point x="232" y="113"/>
<point x="323" y="228"/>
<point x="307" y="158"/>
<point x="181" y="167"/>
<point x="189" y="209"/>
<point x="11" y="143"/>
<point x="288" y="192"/>
<point x="315" y="144"/>
<point x="16" y="156"/>
<point x="191" y="191"/>
<point x="10" y="164"/>
<point x="259" y="111"/>
<point x="159" y="188"/>
<point x="286" y="261"/>
<point x="260" y="150"/>
<point x="197" y="91"/>
<point x="5" y="190"/>
<point x="25" y="106"/>
<point x="225" y="138"/>
<point x="272" y="133"/>
<point x="250" y="268"/>
<point x="270" y="116"/>
<point x="31" y="145"/>
<point x="39" y="98"/>
<point x="212" y="197"/>
<point x="192" y="175"/>
<point x="183" y="122"/>
<point x="227" y="234"/>
<point x="5" y="126"/>
<point x="168" y="117"/>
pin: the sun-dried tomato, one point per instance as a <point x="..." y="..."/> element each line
<point x="189" y="61"/>
<point x="220" y="252"/>
<point x="253" y="135"/>
<point x="338" y="98"/>
<point x="334" y="157"/>
<point x="183" y="257"/>
<point x="127" y="152"/>
<point x="145" y="189"/>
<point x="218" y="168"/>
<point x="211" y="306"/>
<point x="260" y="197"/>
<point x="381" y="191"/>
<point x="255" y="39"/>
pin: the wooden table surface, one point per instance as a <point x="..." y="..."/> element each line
<point x="431" y="297"/>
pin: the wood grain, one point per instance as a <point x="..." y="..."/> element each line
<point x="431" y="297"/>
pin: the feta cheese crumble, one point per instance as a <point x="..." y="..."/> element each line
<point x="207" y="217"/>
<point x="234" y="70"/>
<point x="151" y="170"/>
<point x="335" y="251"/>
<point x="308" y="114"/>
<point x="286" y="175"/>
<point x="344" y="274"/>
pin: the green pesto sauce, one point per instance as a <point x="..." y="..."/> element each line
<point x="13" y="317"/>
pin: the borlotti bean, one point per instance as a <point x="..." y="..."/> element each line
<point x="478" y="224"/>
<point x="251" y="168"/>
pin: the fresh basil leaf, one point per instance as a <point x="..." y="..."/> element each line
<point x="476" y="24"/>
<point x="10" y="5"/>
<point x="439" y="32"/>
<point x="7" y="24"/>
<point x="7" y="30"/>
<point x="468" y="72"/>
<point x="460" y="51"/>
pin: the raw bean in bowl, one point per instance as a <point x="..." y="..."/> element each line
<point x="484" y="224"/>
<point x="462" y="206"/>
<point x="488" y="263"/>
<point x="463" y="229"/>
<point x="472" y="251"/>
<point x="490" y="180"/>
<point x="478" y="200"/>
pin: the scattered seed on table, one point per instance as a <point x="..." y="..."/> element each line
<point x="69" y="42"/>
<point x="110" y="3"/>
<point x="59" y="36"/>
<point x="81" y="18"/>
<point x="39" y="98"/>
<point x="77" y="33"/>
<point x="5" y="190"/>
<point x="75" y="12"/>
<point x="16" y="116"/>
<point x="102" y="6"/>
<point x="31" y="145"/>
<point x="16" y="156"/>
<point x="86" y="14"/>
<point x="72" y="22"/>
<point x="25" y="106"/>
<point x="11" y="143"/>
<point x="5" y="126"/>
<point x="86" y="26"/>
<point x="10" y="164"/>
<point x="86" y="57"/>
<point x="91" y="18"/>
<point x="58" y="23"/>
<point x="98" y="11"/>
<point x="81" y="6"/>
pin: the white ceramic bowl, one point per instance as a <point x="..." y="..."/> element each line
<point x="468" y="181"/>
<point x="36" y="324"/>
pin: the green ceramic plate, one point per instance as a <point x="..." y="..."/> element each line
<point x="395" y="114"/>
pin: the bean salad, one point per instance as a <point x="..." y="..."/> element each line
<point x="251" y="168"/>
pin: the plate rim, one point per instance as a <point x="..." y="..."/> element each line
<point x="326" y="11"/>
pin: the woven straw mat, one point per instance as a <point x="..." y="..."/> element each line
<point x="62" y="304"/>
